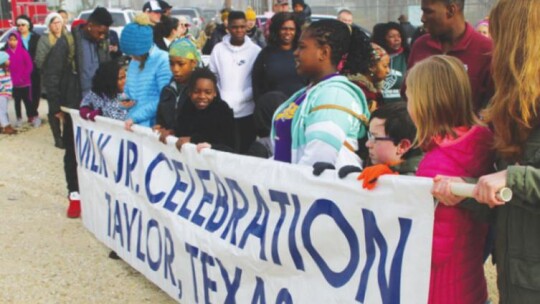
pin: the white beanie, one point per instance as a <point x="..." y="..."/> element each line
<point x="50" y="18"/>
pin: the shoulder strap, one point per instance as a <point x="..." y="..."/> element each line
<point x="360" y="117"/>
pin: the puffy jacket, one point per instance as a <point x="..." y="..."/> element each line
<point x="517" y="246"/>
<point x="457" y="273"/>
<point x="144" y="86"/>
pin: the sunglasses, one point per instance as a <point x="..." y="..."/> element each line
<point x="21" y="24"/>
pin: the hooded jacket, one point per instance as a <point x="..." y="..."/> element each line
<point x="457" y="271"/>
<point x="233" y="66"/>
<point x="21" y="65"/>
<point x="326" y="135"/>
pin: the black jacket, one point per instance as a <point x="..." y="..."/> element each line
<point x="214" y="125"/>
<point x="171" y="101"/>
<point x="61" y="73"/>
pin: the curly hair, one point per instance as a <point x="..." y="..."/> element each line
<point x="105" y="81"/>
<point x="201" y="73"/>
<point x="277" y="22"/>
<point x="380" y="32"/>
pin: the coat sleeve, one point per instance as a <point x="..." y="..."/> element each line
<point x="525" y="184"/>
<point x="257" y="76"/>
<point x="53" y="72"/>
<point x="41" y="52"/>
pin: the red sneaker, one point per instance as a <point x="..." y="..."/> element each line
<point x="74" y="209"/>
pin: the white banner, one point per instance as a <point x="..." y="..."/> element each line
<point x="215" y="227"/>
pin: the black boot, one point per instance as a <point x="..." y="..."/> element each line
<point x="56" y="129"/>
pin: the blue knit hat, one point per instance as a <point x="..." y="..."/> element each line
<point x="137" y="37"/>
<point x="3" y="57"/>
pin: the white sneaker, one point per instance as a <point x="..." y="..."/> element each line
<point x="18" y="123"/>
<point x="36" y="122"/>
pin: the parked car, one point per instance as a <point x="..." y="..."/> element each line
<point x="194" y="13"/>
<point x="39" y="29"/>
<point x="121" y="17"/>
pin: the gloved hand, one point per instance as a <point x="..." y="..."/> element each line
<point x="92" y="115"/>
<point x="371" y="174"/>
<point x="320" y="167"/>
<point x="346" y="170"/>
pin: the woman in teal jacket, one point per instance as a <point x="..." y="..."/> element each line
<point x="147" y="74"/>
<point x="322" y="122"/>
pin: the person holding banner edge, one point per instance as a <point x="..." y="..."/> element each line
<point x="513" y="112"/>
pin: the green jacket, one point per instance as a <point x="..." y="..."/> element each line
<point x="409" y="165"/>
<point x="517" y="244"/>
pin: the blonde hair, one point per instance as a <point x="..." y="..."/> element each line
<point x="513" y="111"/>
<point x="440" y="97"/>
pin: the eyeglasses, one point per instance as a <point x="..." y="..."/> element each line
<point x="373" y="138"/>
<point x="21" y="24"/>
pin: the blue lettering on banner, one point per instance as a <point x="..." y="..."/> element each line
<point x="209" y="284"/>
<point x="207" y="198"/>
<point x="256" y="229"/>
<point x="194" y="253"/>
<point x="329" y="208"/>
<point x="231" y="286"/>
<point x="154" y="198"/>
<point x="124" y="169"/>
<point x="237" y="212"/>
<point x="184" y="211"/>
<point x="390" y="291"/>
<point x="90" y="156"/>
<point x="223" y="204"/>
<point x="123" y="225"/>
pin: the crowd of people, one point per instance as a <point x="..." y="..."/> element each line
<point x="447" y="101"/>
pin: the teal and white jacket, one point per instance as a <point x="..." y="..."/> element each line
<point x="328" y="123"/>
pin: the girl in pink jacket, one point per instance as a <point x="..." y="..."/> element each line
<point x="455" y="144"/>
<point x="21" y="67"/>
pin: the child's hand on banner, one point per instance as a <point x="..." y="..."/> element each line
<point x="371" y="174"/>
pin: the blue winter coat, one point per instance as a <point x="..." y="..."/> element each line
<point x="144" y="86"/>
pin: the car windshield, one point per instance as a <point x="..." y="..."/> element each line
<point x="118" y="18"/>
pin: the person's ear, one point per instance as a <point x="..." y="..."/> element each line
<point x="452" y="10"/>
<point x="403" y="147"/>
<point x="325" y="52"/>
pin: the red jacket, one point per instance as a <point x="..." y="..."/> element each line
<point x="457" y="270"/>
<point x="474" y="50"/>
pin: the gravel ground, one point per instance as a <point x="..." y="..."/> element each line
<point x="48" y="258"/>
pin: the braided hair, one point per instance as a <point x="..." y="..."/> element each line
<point x="333" y="33"/>
<point x="359" y="57"/>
